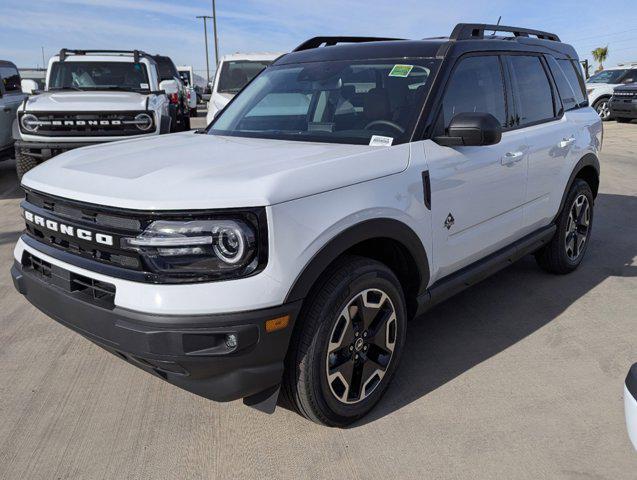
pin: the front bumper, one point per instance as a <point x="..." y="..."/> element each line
<point x="630" y="404"/>
<point x="190" y="352"/>
<point x="623" y="108"/>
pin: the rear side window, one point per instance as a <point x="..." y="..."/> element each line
<point x="531" y="89"/>
<point x="567" y="95"/>
<point x="573" y="73"/>
<point x="10" y="78"/>
<point x="476" y="85"/>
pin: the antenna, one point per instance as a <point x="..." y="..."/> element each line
<point x="497" y="24"/>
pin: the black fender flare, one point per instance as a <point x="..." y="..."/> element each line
<point x="588" y="160"/>
<point x="381" y="228"/>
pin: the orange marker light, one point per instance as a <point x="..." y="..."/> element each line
<point x="278" y="323"/>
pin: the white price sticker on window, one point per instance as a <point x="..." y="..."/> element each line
<point x="380" y="141"/>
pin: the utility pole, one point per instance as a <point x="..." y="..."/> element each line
<point x="214" y="27"/>
<point x="43" y="62"/>
<point x="205" y="34"/>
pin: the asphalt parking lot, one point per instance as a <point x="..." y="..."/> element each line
<point x="520" y="377"/>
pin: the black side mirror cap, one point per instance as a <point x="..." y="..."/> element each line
<point x="471" y="129"/>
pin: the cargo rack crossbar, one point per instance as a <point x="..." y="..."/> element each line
<point x="137" y="54"/>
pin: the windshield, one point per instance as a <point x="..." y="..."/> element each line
<point x="235" y="75"/>
<point x="607" y="76"/>
<point x="99" y="76"/>
<point x="338" y="101"/>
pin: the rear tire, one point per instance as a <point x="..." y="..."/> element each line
<point x="347" y="342"/>
<point x="602" y="107"/>
<point x="23" y="163"/>
<point x="193" y="112"/>
<point x="185" y="122"/>
<point x="574" y="224"/>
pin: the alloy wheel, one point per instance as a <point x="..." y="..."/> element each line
<point x="577" y="227"/>
<point x="603" y="109"/>
<point x="361" y="346"/>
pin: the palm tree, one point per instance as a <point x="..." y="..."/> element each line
<point x="600" y="54"/>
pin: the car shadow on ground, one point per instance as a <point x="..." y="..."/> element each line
<point x="9" y="185"/>
<point x="504" y="309"/>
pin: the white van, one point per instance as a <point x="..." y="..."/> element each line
<point x="233" y="73"/>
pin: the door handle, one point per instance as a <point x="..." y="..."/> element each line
<point x="567" y="142"/>
<point x="511" y="158"/>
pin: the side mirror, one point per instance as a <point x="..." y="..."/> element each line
<point x="169" y="86"/>
<point x="28" y="86"/>
<point x="471" y="129"/>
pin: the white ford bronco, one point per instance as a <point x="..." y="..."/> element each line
<point x="91" y="96"/>
<point x="352" y="185"/>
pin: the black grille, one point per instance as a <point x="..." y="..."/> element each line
<point x="85" y="288"/>
<point x="96" y="124"/>
<point x="88" y="217"/>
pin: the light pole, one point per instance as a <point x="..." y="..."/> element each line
<point x="205" y="34"/>
<point x="214" y="27"/>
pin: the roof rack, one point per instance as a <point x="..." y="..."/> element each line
<point x="473" y="31"/>
<point x="329" y="41"/>
<point x="137" y="54"/>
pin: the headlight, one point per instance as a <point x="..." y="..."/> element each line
<point x="30" y="122"/>
<point x="199" y="248"/>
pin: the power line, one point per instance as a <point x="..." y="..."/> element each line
<point x="603" y="35"/>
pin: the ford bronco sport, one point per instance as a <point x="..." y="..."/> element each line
<point x="91" y="96"/>
<point x="349" y="187"/>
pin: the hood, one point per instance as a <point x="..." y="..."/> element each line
<point x="86" y="101"/>
<point x="198" y="171"/>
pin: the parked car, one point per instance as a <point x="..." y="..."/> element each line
<point x="354" y="184"/>
<point x="630" y="404"/>
<point x="600" y="86"/>
<point x="233" y="73"/>
<point x="188" y="78"/>
<point x="91" y="96"/>
<point x="623" y="103"/>
<point x="10" y="97"/>
<point x="179" y="108"/>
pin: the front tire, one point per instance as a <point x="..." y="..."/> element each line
<point x="347" y="342"/>
<point x="602" y="107"/>
<point x="23" y="163"/>
<point x="566" y="249"/>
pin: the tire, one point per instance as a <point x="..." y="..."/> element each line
<point x="566" y="249"/>
<point x="23" y="163"/>
<point x="623" y="120"/>
<point x="185" y="122"/>
<point x="602" y="107"/>
<point x="353" y="284"/>
<point x="193" y="112"/>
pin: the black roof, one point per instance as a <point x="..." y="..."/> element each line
<point x="464" y="38"/>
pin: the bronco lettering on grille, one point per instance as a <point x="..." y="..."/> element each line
<point x="68" y="230"/>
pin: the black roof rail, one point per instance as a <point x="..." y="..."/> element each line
<point x="137" y="54"/>
<point x="329" y="41"/>
<point x="473" y="31"/>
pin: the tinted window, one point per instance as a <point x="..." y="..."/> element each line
<point x="630" y="77"/>
<point x="532" y="90"/>
<point x="573" y="73"/>
<point x="476" y="85"/>
<point x="10" y="78"/>
<point x="166" y="68"/>
<point x="235" y="75"/>
<point x="607" y="76"/>
<point x="569" y="102"/>
<point x="99" y="76"/>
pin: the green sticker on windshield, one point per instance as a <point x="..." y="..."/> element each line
<point x="401" y="70"/>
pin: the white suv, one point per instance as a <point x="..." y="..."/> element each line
<point x="91" y="96"/>
<point x="351" y="186"/>
<point x="600" y="86"/>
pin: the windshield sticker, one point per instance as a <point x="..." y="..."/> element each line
<point x="401" y="70"/>
<point x="380" y="141"/>
<point x="143" y="85"/>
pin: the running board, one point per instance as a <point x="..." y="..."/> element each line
<point x="484" y="268"/>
